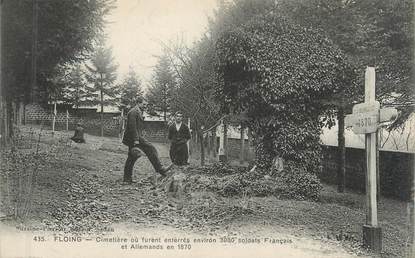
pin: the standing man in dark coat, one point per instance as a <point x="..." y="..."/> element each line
<point x="133" y="138"/>
<point x="179" y="134"/>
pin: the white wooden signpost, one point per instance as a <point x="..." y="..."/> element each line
<point x="366" y="119"/>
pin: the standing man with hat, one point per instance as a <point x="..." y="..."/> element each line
<point x="133" y="138"/>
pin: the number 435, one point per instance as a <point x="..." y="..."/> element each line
<point x="39" y="238"/>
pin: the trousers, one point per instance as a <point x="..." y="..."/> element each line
<point x="151" y="154"/>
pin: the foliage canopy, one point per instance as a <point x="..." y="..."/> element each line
<point x="279" y="73"/>
<point x="67" y="31"/>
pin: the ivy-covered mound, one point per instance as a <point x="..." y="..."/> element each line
<point x="227" y="181"/>
<point x="280" y="74"/>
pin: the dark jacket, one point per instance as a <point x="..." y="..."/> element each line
<point x="179" y="137"/>
<point x="134" y="127"/>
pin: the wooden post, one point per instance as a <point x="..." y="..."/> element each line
<point x="371" y="231"/>
<point x="377" y="167"/>
<point x="24" y="114"/>
<point x="242" y="154"/>
<point x="196" y="137"/>
<point x="102" y="111"/>
<point x="222" y="154"/>
<point x="54" y="117"/>
<point x="208" y="143"/>
<point x="225" y="138"/>
<point x="250" y="152"/>
<point x="202" y="147"/>
<point x="366" y="119"/>
<point x="121" y="124"/>
<point x="214" y="144"/>
<point x="19" y="113"/>
<point x="188" y="142"/>
<point x="67" y="120"/>
<point x="412" y="209"/>
<point x="14" y="112"/>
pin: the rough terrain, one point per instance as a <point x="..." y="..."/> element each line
<point x="78" y="190"/>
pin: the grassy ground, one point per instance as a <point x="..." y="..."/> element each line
<point x="78" y="188"/>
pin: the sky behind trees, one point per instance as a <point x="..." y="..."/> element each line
<point x="137" y="27"/>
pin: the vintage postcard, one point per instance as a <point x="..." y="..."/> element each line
<point x="207" y="128"/>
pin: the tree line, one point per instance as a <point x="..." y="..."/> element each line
<point x="55" y="52"/>
<point x="290" y="67"/>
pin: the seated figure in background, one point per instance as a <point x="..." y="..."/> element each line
<point x="79" y="134"/>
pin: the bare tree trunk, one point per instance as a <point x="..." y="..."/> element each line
<point x="4" y="122"/>
<point x="242" y="154"/>
<point x="225" y="139"/>
<point x="34" y="52"/>
<point x="202" y="148"/>
<point x="341" y="169"/>
<point x="2" y="118"/>
<point x="9" y="118"/>
<point x="199" y="136"/>
<point x="188" y="142"/>
<point x="166" y="127"/>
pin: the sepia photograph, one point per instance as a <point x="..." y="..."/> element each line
<point x="207" y="128"/>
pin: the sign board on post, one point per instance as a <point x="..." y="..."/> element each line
<point x="372" y="233"/>
<point x="365" y="119"/>
<point x="363" y="123"/>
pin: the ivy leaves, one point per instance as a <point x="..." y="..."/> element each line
<point x="288" y="70"/>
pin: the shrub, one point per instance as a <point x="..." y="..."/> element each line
<point x="293" y="182"/>
<point x="300" y="184"/>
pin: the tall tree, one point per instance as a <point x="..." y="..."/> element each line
<point x="196" y="82"/>
<point x="280" y="74"/>
<point x="131" y="90"/>
<point x="371" y="33"/>
<point x="196" y="69"/>
<point x="159" y="94"/>
<point x="65" y="33"/>
<point x="76" y="91"/>
<point x="101" y="76"/>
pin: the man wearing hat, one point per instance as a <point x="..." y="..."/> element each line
<point x="133" y="138"/>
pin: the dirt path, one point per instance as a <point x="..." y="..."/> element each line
<point x="80" y="192"/>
